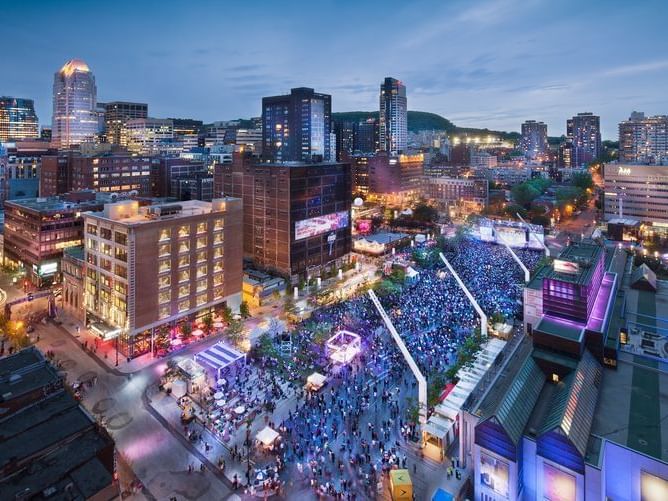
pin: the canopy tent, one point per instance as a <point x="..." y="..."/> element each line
<point x="267" y="436"/>
<point x="412" y="274"/>
<point x="219" y="357"/>
<point x="315" y="381"/>
<point x="179" y="388"/>
<point x="343" y="346"/>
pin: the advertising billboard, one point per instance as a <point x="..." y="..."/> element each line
<point x="558" y="485"/>
<point x="568" y="267"/>
<point x="652" y="488"/>
<point x="494" y="474"/>
<point x="318" y="225"/>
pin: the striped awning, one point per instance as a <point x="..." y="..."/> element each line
<point x="219" y="356"/>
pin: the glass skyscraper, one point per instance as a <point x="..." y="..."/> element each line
<point x="75" y="117"/>
<point x="17" y="119"/>
<point x="393" y="116"/>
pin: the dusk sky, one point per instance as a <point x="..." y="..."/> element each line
<point x="488" y="63"/>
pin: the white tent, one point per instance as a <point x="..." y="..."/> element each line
<point x="316" y="380"/>
<point x="219" y="357"/>
<point x="267" y="436"/>
<point x="179" y="388"/>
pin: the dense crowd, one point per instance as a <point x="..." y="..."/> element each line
<point x="341" y="440"/>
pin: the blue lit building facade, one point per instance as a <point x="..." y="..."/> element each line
<point x="570" y="417"/>
<point x="297" y="127"/>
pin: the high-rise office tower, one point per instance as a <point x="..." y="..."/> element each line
<point x="367" y="136"/>
<point x="644" y="139"/>
<point x="297" y="126"/>
<point x="17" y="119"/>
<point x="393" y="116"/>
<point x="117" y="114"/>
<point x="534" y="139"/>
<point x="75" y="117"/>
<point x="584" y="131"/>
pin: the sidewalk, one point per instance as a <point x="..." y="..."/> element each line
<point x="105" y="352"/>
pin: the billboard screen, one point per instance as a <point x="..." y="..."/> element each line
<point x="314" y="226"/>
<point x="558" y="485"/>
<point x="494" y="474"/>
<point x="568" y="267"/>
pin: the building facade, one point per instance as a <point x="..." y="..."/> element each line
<point x="37" y="230"/>
<point x="18" y="119"/>
<point x="636" y="191"/>
<point x="73" y="268"/>
<point x="644" y="139"/>
<point x="534" y="139"/>
<point x="117" y="114"/>
<point x="393" y="123"/>
<point x="296" y="216"/>
<point x="584" y="134"/>
<point x="395" y="179"/>
<point x="458" y="196"/>
<point x="297" y="127"/>
<point x="158" y="265"/>
<point x="149" y="136"/>
<point x="75" y="118"/>
<point x="114" y="172"/>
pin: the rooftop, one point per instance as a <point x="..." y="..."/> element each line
<point x="77" y="252"/>
<point x="586" y="255"/>
<point x="632" y="405"/>
<point x="55" y="204"/>
<point x="566" y="329"/>
<point x="24" y="372"/>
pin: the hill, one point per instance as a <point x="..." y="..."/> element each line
<point x="422" y="120"/>
<point x="417" y="120"/>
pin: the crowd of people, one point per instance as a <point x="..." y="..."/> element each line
<point x="342" y="439"/>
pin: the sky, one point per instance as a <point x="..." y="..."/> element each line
<point x="479" y="63"/>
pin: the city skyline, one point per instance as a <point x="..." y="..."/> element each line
<point x="457" y="60"/>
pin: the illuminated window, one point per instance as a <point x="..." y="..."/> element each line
<point x="164" y="311"/>
<point x="184" y="231"/>
<point x="218" y="225"/>
<point x="202" y="270"/>
<point x="201" y="256"/>
<point x="201" y="299"/>
<point x="184" y="247"/>
<point x="184" y="261"/>
<point x="165" y="281"/>
<point x="201" y="285"/>
<point x="165" y="234"/>
<point x="164" y="249"/>
<point x="555" y="378"/>
<point x="201" y="227"/>
<point x="217" y="252"/>
<point x="184" y="275"/>
<point x="184" y="305"/>
<point x="165" y="297"/>
<point x="217" y="266"/>
<point x="218" y="279"/>
<point x="184" y="290"/>
<point x="164" y="265"/>
<point x="201" y="242"/>
<point x="218" y="239"/>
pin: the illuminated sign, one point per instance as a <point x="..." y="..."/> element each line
<point x="494" y="474"/>
<point x="568" y="267"/>
<point x="46" y="269"/>
<point x="624" y="171"/>
<point x="558" y="485"/>
<point x="652" y="488"/>
<point x="314" y="226"/>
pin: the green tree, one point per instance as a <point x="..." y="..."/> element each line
<point x="582" y="180"/>
<point x="227" y="314"/>
<point x="524" y="193"/>
<point x="186" y="329"/>
<point x="425" y="213"/>
<point x="234" y="332"/>
<point x="244" y="311"/>
<point x="568" y="195"/>
<point x="208" y="324"/>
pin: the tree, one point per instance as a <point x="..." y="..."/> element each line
<point x="186" y="329"/>
<point x="568" y="195"/>
<point x="244" y="310"/>
<point x="425" y="213"/>
<point x="541" y="220"/>
<point x="227" y="314"/>
<point x="234" y="332"/>
<point x="208" y="324"/>
<point x="582" y="180"/>
<point x="289" y="305"/>
<point x="525" y="193"/>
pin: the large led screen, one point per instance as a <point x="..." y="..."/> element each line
<point x="314" y="226"/>
<point x="558" y="485"/>
<point x="652" y="488"/>
<point x="494" y="474"/>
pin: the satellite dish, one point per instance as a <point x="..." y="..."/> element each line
<point x="358" y="202"/>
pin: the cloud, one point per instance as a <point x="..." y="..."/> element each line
<point x="630" y="69"/>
